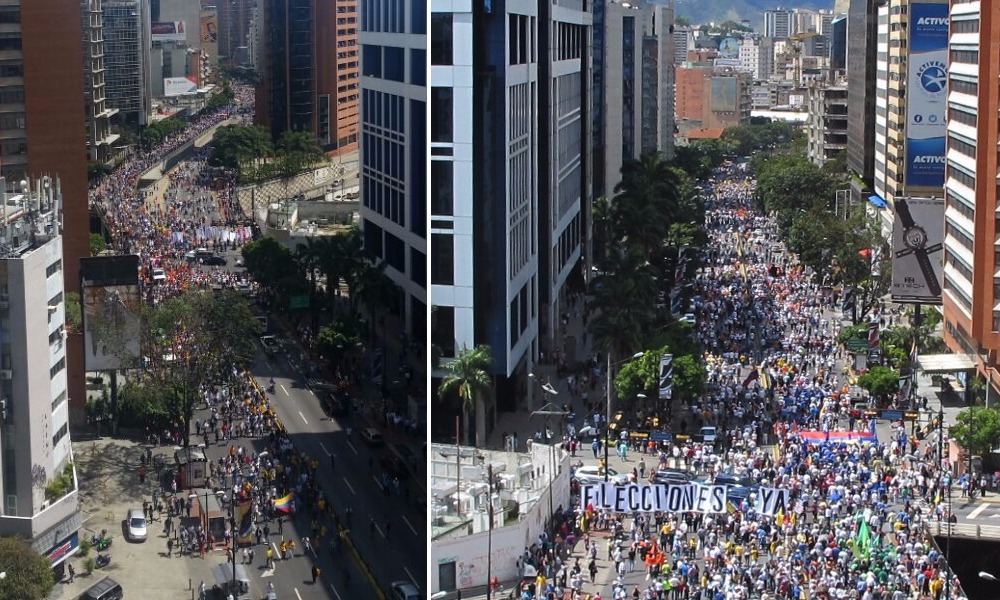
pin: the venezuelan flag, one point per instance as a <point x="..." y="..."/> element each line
<point x="283" y="504"/>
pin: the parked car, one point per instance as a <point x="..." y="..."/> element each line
<point x="135" y="522"/>
<point x="672" y="476"/>
<point x="270" y="344"/>
<point x="214" y="261"/>
<point x="404" y="590"/>
<point x="592" y="475"/>
<point x="732" y="479"/>
<point x="372" y="437"/>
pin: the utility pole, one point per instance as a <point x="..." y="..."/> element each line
<point x="489" y="533"/>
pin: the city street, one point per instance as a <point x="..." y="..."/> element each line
<point x="396" y="549"/>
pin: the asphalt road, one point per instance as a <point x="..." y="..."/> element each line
<point x="396" y="549"/>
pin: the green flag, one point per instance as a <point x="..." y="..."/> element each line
<point x="863" y="542"/>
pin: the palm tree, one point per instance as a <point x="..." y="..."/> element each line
<point x="646" y="201"/>
<point x="469" y="377"/>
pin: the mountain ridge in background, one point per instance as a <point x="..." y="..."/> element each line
<point x="702" y="12"/>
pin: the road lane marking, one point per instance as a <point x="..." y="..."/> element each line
<point x="351" y="446"/>
<point x="349" y="486"/>
<point x="379" y="530"/>
<point x="378" y="483"/>
<point x="282" y="386"/>
<point x="978" y="510"/>
<point x="297" y="595"/>
<point x="277" y="556"/>
<point x="335" y="592"/>
<point x="407" y="521"/>
<point x="328" y="453"/>
<point x="412" y="578"/>
<point x="303" y="418"/>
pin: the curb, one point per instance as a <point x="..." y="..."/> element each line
<point x="362" y="565"/>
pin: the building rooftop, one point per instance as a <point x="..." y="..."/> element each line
<point x="460" y="492"/>
<point x="30" y="215"/>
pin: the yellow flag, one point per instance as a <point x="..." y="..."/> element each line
<point x="779" y="517"/>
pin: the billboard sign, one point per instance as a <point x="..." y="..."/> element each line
<point x="917" y="250"/>
<point x="168" y="31"/>
<point x="927" y="95"/>
<point x="177" y="86"/>
<point x="209" y="27"/>
<point x="111" y="317"/>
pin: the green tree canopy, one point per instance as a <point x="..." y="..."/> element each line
<point x="977" y="429"/>
<point x="197" y="338"/>
<point x="234" y="146"/>
<point x="881" y="382"/>
<point x="29" y="574"/>
<point x="270" y="262"/>
<point x="789" y="183"/>
<point x="339" y="337"/>
<point x="158" y="131"/>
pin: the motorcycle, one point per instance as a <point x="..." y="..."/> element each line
<point x="102" y="560"/>
<point x="103" y="544"/>
<point x="96" y="538"/>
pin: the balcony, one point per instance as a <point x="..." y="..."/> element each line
<point x="54" y="523"/>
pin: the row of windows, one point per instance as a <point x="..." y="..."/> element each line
<point x="384" y="156"/>
<point x="969" y="57"/>
<point x="382" y="110"/>
<point x="960" y="116"/>
<point x="385" y="198"/>
<point x="965" y="26"/>
<point x="963" y="209"/>
<point x="958" y="234"/>
<point x="386" y="62"/>
<point x="53" y="268"/>
<point x="570" y="39"/>
<point x="442" y="188"/>
<point x="520" y="110"/>
<point x="964" y="87"/>
<point x="60" y="434"/>
<point x="521" y="40"/>
<point x="522" y="245"/>
<point x="12" y="95"/>
<point x="520" y="317"/>
<point x="964" y="148"/>
<point x="442" y="259"/>
<point x="957" y="290"/>
<point x="569" y="243"/>
<point x="388" y="16"/>
<point x="56" y="368"/>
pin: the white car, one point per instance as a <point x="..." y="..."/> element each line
<point x="592" y="475"/>
<point x="159" y="275"/>
<point x="136" y="522"/>
<point x="708" y="436"/>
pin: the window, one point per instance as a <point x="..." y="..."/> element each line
<point x="395" y="65"/>
<point x="418" y="267"/>
<point x="53" y="268"/>
<point x="59" y="399"/>
<point x="371" y="60"/>
<point x="441" y="114"/>
<point x="441" y="38"/>
<point x="442" y="188"/>
<point x="443" y="329"/>
<point x="418" y="67"/>
<point x="56" y="368"/>
<point x="60" y="434"/>
<point x="442" y="259"/>
<point x="418" y="16"/>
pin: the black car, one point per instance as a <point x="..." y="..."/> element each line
<point x="332" y="405"/>
<point x="214" y="261"/>
<point x="730" y="479"/>
<point x="392" y="465"/>
<point x="675" y="476"/>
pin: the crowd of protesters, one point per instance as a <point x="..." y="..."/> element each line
<point x="781" y="400"/>
<point x="192" y="213"/>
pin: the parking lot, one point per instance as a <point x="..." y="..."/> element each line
<point x="109" y="485"/>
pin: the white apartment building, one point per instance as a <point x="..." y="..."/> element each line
<point x="34" y="408"/>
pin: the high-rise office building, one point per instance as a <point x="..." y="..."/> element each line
<point x="910" y="107"/>
<point x="778" y="23"/>
<point x="510" y="181"/>
<point x="34" y="407"/>
<point x="100" y="139"/>
<point x="393" y="153"/>
<point x="309" y="75"/>
<point x="971" y="288"/>
<point x="127" y="43"/>
<point x="862" y="28"/>
<point x="235" y="26"/>
<point x="636" y="109"/>
<point x="826" y="126"/>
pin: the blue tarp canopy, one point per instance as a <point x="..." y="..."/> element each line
<point x="877" y="200"/>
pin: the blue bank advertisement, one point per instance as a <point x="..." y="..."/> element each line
<point x="927" y="95"/>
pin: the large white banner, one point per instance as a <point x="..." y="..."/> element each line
<point x="655" y="497"/>
<point x="771" y="501"/>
